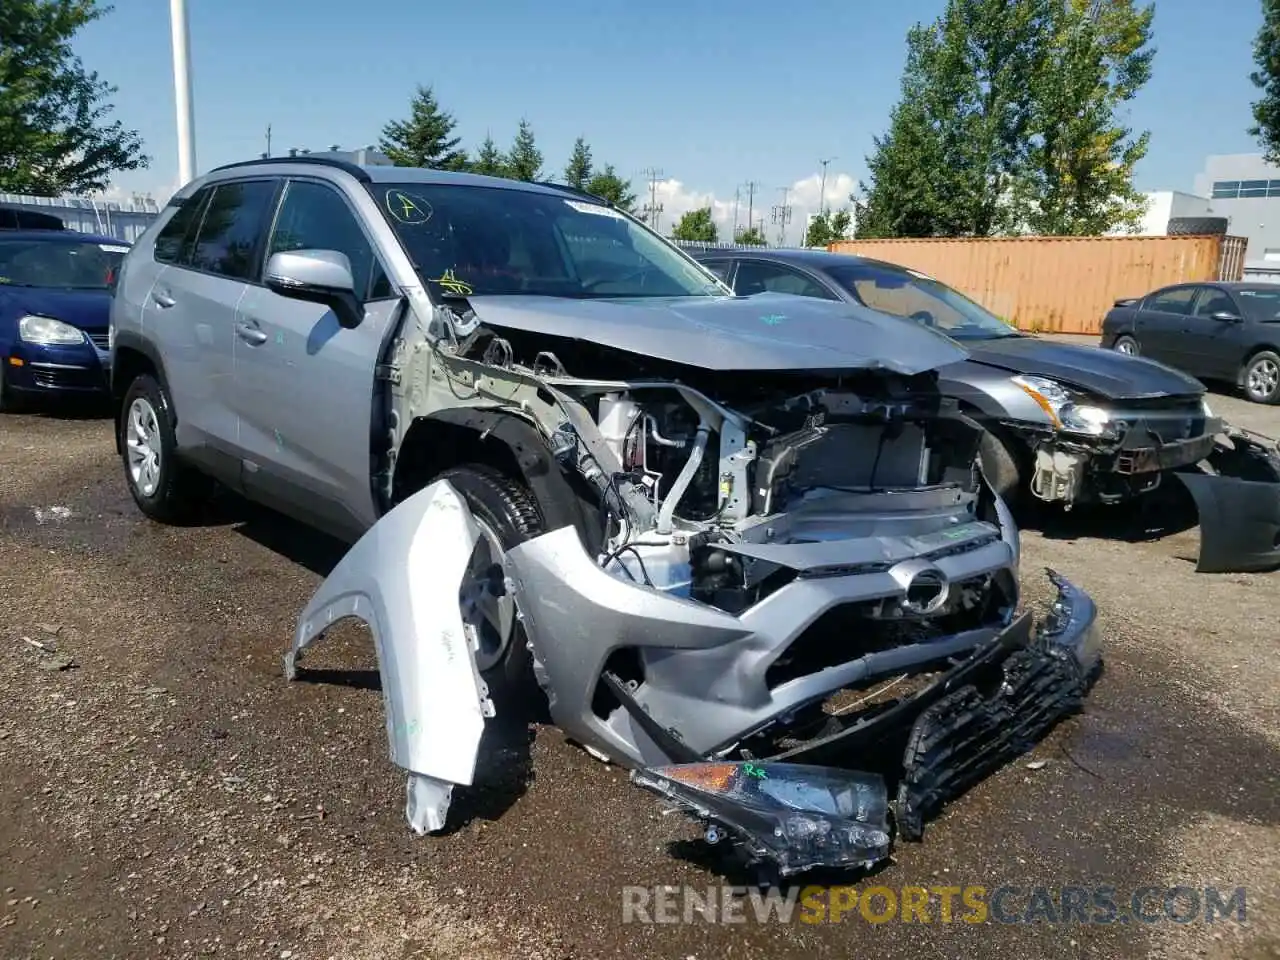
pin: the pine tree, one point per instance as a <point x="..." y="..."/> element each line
<point x="524" y="160"/>
<point x="55" y="137"/>
<point x="1266" y="54"/>
<point x="489" y="160"/>
<point x="577" y="172"/>
<point x="425" y="139"/>
<point x="609" y="186"/>
<point x="696" y="226"/>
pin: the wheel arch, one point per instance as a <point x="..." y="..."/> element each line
<point x="1249" y="355"/>
<point x="507" y="443"/>
<point x="132" y="356"/>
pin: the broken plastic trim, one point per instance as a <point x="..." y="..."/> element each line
<point x="1238" y="506"/>
<point x="402" y="578"/>
<point x="982" y="713"/>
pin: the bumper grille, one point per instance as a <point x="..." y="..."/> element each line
<point x="1170" y="420"/>
<point x="99" y="340"/>
<point x="67" y="378"/>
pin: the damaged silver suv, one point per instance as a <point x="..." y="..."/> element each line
<point x="743" y="545"/>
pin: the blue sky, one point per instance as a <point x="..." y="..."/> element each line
<point x="712" y="94"/>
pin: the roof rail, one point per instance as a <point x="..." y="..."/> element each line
<point x="346" y="166"/>
<point x="575" y="191"/>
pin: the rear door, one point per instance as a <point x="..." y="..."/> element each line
<point x="1161" y="320"/>
<point x="304" y="385"/>
<point x="194" y="306"/>
<point x="1208" y="347"/>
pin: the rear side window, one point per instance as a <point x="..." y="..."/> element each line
<point x="181" y="229"/>
<point x="1172" y="301"/>
<point x="231" y="228"/>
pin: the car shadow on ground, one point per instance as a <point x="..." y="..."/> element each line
<point x="1163" y="513"/>
<point x="60" y="408"/>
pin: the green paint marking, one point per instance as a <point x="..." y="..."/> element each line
<point x="772" y="319"/>
<point x="751" y="770"/>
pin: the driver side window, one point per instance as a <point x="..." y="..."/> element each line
<point x="315" y="217"/>
<point x="761" y="276"/>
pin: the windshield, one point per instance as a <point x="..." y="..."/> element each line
<point x="469" y="240"/>
<point x="908" y="294"/>
<point x="59" y="264"/>
<point x="1260" y="304"/>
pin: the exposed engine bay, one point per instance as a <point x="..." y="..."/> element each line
<point x="756" y="562"/>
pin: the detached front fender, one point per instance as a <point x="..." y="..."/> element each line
<point x="403" y="579"/>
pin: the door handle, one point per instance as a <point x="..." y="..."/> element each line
<point x="251" y="333"/>
<point x="163" y="300"/>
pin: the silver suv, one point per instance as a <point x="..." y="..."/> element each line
<point x="567" y="450"/>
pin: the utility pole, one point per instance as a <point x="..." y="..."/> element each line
<point x="782" y="216"/>
<point x="822" y="190"/>
<point x="752" y="186"/>
<point x="737" y="198"/>
<point x="653" y="209"/>
<point x="181" y="37"/>
<point x="267" y="155"/>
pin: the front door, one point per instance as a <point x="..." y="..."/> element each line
<point x="1213" y="348"/>
<point x="304" y="385"/>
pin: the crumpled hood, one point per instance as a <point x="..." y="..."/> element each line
<point x="1107" y="374"/>
<point x="764" y="332"/>
<point x="86" y="309"/>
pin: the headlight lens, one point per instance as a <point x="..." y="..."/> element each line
<point x="1065" y="407"/>
<point x="1206" y="409"/>
<point x="48" y="331"/>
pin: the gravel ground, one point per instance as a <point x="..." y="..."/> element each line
<point x="167" y="794"/>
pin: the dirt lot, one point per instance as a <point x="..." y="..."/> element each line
<point x="171" y="796"/>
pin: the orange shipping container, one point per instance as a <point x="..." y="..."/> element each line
<point x="1059" y="284"/>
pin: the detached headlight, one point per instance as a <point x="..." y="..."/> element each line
<point x="1066" y="408"/>
<point x="48" y="332"/>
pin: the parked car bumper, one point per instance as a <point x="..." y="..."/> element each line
<point x="74" y="370"/>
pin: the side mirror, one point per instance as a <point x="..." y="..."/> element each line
<point x="317" y="276"/>
<point x="1225" y="316"/>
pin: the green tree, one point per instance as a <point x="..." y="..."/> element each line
<point x="426" y="138"/>
<point x="55" y="135"/>
<point x="489" y="160"/>
<point x="828" y="227"/>
<point x="696" y="226"/>
<point x="524" y="159"/>
<point x="1079" y="173"/>
<point x="577" y="172"/>
<point x="1266" y="55"/>
<point x="957" y="140"/>
<point x="750" y="237"/>
<point x="607" y="185"/>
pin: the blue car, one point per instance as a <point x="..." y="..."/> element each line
<point x="55" y="304"/>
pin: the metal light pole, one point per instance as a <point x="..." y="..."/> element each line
<point x="182" y="90"/>
<point x="822" y="190"/>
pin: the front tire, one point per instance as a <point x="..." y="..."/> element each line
<point x="1261" y="377"/>
<point x="164" y="488"/>
<point x="507" y="515"/>
<point x="1127" y="345"/>
<point x="1003" y="469"/>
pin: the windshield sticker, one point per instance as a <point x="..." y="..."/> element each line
<point x="112" y="248"/>
<point x="596" y="208"/>
<point x="408" y="209"/>
<point x="452" y="285"/>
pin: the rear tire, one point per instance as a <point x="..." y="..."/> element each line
<point x="1126" y="344"/>
<point x="164" y="488"/>
<point x="507" y="511"/>
<point x="1261" y="377"/>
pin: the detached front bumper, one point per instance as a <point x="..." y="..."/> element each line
<point x="821" y="806"/>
